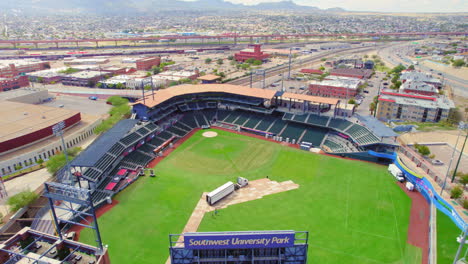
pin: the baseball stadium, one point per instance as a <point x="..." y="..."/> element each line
<point x="220" y="173"/>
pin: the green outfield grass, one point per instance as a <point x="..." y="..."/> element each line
<point x="447" y="233"/>
<point x="354" y="211"/>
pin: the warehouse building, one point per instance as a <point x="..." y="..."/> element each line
<point x="338" y="88"/>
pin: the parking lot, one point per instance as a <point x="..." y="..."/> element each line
<point x="82" y="104"/>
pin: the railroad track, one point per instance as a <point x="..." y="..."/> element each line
<point x="283" y="68"/>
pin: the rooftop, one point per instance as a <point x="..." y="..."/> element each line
<point x="418" y="86"/>
<point x="417" y="100"/>
<point x="209" y="77"/>
<point x="6" y="63"/>
<point x="418" y="76"/>
<point x="18" y="119"/>
<point x="86" y="74"/>
<point x="345" y="83"/>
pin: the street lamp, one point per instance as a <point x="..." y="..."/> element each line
<point x="57" y="129"/>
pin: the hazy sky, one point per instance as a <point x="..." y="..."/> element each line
<point x="381" y="5"/>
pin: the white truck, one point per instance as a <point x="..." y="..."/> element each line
<point x="396" y="172"/>
<point x="220" y="192"/>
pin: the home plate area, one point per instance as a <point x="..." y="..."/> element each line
<point x="210" y="134"/>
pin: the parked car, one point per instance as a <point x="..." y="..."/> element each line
<point x="366" y="91"/>
<point x="437" y="162"/>
<point x="92" y="98"/>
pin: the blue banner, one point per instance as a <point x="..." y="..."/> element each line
<point x="228" y="241"/>
<point x="425" y="187"/>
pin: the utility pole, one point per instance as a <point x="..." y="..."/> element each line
<point x="251" y="79"/>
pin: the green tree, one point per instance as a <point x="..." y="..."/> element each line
<point x="208" y="61"/>
<point x="456" y="192"/>
<point x="40" y="162"/>
<point x="322" y="68"/>
<point x="411" y="67"/>
<point x="220" y="61"/>
<point x="323" y="59"/>
<point x="374" y="56"/>
<point x="99" y="85"/>
<point x="173" y="83"/>
<point x="465" y="203"/>
<point x="119" y="86"/>
<point x="250" y="61"/>
<point x="422" y="149"/>
<point x="147" y="87"/>
<point x="230" y="57"/>
<point x="463" y="178"/>
<point x="257" y="62"/>
<point x="372" y="107"/>
<point x="155" y="69"/>
<point x="366" y="56"/>
<point x="40" y="79"/>
<point x="21" y="199"/>
<point x="352" y="101"/>
<point x="458" y="63"/>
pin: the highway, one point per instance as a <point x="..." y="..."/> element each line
<point x="398" y="55"/>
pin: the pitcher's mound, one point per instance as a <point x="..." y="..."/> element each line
<point x="210" y="134"/>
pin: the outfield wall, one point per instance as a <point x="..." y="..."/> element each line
<point x="425" y="187"/>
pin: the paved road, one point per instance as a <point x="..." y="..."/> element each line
<point x="398" y="55"/>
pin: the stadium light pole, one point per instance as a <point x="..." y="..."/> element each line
<point x="289" y="67"/>
<point x="57" y="129"/>
<point x="450" y="163"/>
<point x="459" y="158"/>
<point x="462" y="244"/>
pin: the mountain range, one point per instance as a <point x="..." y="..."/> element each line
<point x="148" y="6"/>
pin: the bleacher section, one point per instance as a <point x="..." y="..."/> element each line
<point x="314" y="136"/>
<point x="277" y="126"/>
<point x="293" y="131"/>
<point x="334" y="147"/>
<point x="253" y="120"/>
<point x="339" y="124"/>
<point x="318" y="120"/>
<point x="265" y="123"/>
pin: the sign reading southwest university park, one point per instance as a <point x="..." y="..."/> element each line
<point x="238" y="240"/>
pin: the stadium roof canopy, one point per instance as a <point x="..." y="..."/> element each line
<point x="102" y="144"/>
<point x="310" y="98"/>
<point x="377" y="127"/>
<point x="166" y="94"/>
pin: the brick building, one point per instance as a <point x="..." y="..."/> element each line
<point x="7" y="84"/>
<point x="84" y="78"/>
<point x="416" y="76"/>
<point x="12" y="68"/>
<point x="335" y="88"/>
<point x="255" y="54"/>
<point x="147" y="63"/>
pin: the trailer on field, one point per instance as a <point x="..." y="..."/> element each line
<point x="220" y="192"/>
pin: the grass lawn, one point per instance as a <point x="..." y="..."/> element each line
<point x="353" y="210"/>
<point x="447" y="245"/>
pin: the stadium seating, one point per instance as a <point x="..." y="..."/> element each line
<point x="300" y="118"/>
<point x="130" y="139"/>
<point x="117" y="149"/>
<point x="201" y="120"/>
<point x="104" y="162"/>
<point x="165" y="135"/>
<point x="277" y="126"/>
<point x="314" y="135"/>
<point x="231" y="117"/>
<point x="339" y="124"/>
<point x="209" y="114"/>
<point x="188" y="120"/>
<point x="265" y="123"/>
<point x="177" y="132"/>
<point x="222" y="114"/>
<point x="293" y="131"/>
<point x="253" y="120"/>
<point x="318" y="120"/>
<point x="334" y="147"/>
<point x="288" y="116"/>
<point x="243" y="116"/>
